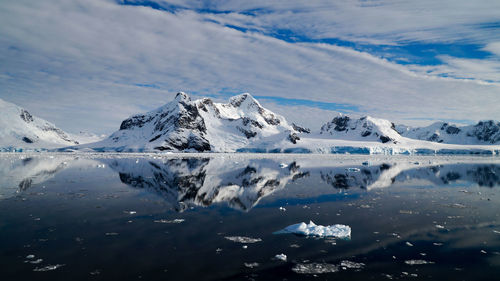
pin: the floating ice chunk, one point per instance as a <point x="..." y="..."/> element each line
<point x="351" y="265"/>
<point x="48" y="267"/>
<point x="439" y="226"/>
<point x="352" y="169"/>
<point x="251" y="265"/>
<point x="169" y="221"/>
<point x="418" y="262"/>
<point x="282" y="209"/>
<point x="315" y="268"/>
<point x="243" y="239"/>
<point x="130" y="212"/>
<point x="283" y="165"/>
<point x="496" y="231"/>
<point x="36" y="261"/>
<point x="409" y="244"/>
<point x="281" y="257"/>
<point x="30" y="256"/>
<point x="311" y="229"/>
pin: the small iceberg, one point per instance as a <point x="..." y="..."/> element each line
<point x="311" y="229"/>
<point x="243" y="239"/>
<point x="281" y="257"/>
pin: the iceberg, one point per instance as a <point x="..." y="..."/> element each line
<point x="311" y="229"/>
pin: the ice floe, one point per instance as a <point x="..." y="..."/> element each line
<point x="281" y="257"/>
<point x="243" y="239"/>
<point x="251" y="264"/>
<point x="311" y="229"/>
<point x="315" y="268"/>
<point x="351" y="265"/>
<point x="418" y="262"/>
<point x="48" y="267"/>
<point x="169" y="221"/>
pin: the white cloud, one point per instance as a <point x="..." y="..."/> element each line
<point x="493" y="47"/>
<point x="78" y="63"/>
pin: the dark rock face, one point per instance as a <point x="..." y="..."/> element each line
<point x="26" y="116"/>
<point x="385" y="139"/>
<point x="341" y="123"/>
<point x="450" y="129"/>
<point x="134" y="121"/>
<point x="27" y="140"/>
<point x="293" y="138"/>
<point x="249" y="134"/>
<point x="487" y="131"/>
<point x="301" y="129"/>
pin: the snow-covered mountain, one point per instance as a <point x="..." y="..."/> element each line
<point x="201" y="125"/>
<point x="363" y="129"/>
<point x="204" y="181"/>
<point x="484" y="132"/>
<point x="19" y="130"/>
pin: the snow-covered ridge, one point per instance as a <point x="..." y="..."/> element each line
<point x="363" y="129"/>
<point x="21" y="131"/>
<point x="484" y="132"/>
<point x="201" y="125"/>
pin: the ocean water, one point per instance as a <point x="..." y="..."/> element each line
<point x="214" y="217"/>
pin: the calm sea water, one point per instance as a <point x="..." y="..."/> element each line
<point x="140" y="217"/>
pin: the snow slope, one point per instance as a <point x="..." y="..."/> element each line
<point x="201" y="125"/>
<point x="363" y="129"/>
<point x="20" y="131"/>
<point x="484" y="132"/>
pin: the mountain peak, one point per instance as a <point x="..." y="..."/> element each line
<point x="181" y="96"/>
<point x="243" y="99"/>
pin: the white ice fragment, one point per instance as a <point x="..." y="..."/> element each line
<point x="437" y="244"/>
<point x="130" y="212"/>
<point x="352" y="265"/>
<point x="244" y="246"/>
<point x="37" y="261"/>
<point x="352" y="169"/>
<point x="281" y="257"/>
<point x="48" y="267"/>
<point x="251" y="265"/>
<point x="311" y="229"/>
<point x="418" y="262"/>
<point x="315" y="268"/>
<point x="409" y="244"/>
<point x="283" y="165"/>
<point x="439" y="226"/>
<point x="496" y="231"/>
<point x="169" y="221"/>
<point x="282" y="209"/>
<point x="243" y="239"/>
<point x="30" y="256"/>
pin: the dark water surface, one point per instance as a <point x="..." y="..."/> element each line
<point x="140" y="217"/>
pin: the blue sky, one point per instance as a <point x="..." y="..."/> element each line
<point x="86" y="65"/>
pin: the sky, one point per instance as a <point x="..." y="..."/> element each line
<point x="86" y="65"/>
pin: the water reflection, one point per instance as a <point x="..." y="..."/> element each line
<point x="243" y="182"/>
<point x="18" y="174"/>
<point x="385" y="175"/>
<point x="204" y="181"/>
